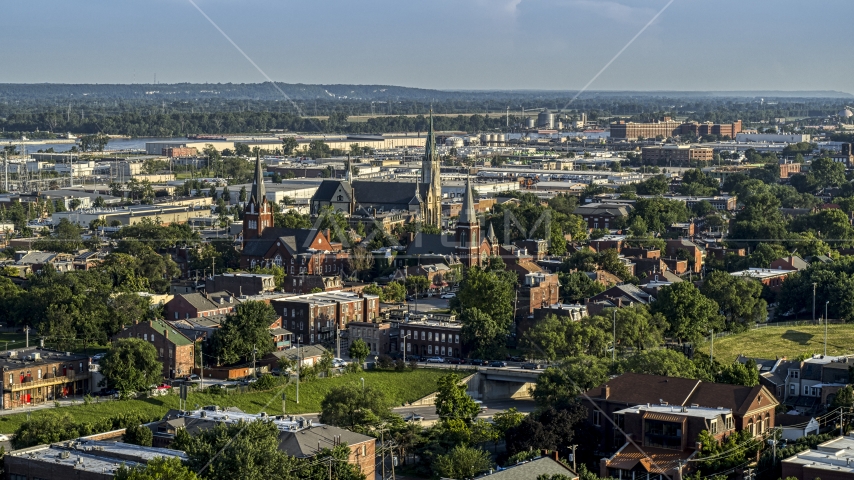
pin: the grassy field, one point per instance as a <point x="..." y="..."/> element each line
<point x="771" y="342"/>
<point x="401" y="387"/>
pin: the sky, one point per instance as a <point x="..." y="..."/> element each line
<point x="439" y="44"/>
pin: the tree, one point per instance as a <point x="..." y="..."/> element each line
<point x="131" y="365"/>
<point x="663" y="362"/>
<point x="158" y="468"/>
<point x="241" y="196"/>
<point x="138" y="435"/>
<point x="738" y="373"/>
<point x="546" y="339"/>
<point x="359" y="350"/>
<point x="738" y="298"/>
<point x="510" y="418"/>
<point x="577" y="286"/>
<point x="689" y="313"/>
<point x="452" y="401"/>
<point x="417" y="283"/>
<point x="559" y="385"/>
<point x="659" y="213"/>
<point x="844" y="398"/>
<point x="236" y="450"/>
<point x="360" y="260"/>
<point x="498" y="305"/>
<point x="245" y="330"/>
<point x="350" y="406"/>
<point x="394" y="292"/>
<point x="485" y="337"/>
<point x="462" y="462"/>
<point x="828" y="173"/>
<point x="550" y="429"/>
<point x="289" y="144"/>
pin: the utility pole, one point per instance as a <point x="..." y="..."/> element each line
<point x="284" y="403"/>
<point x="813" y="303"/>
<point x="27" y="329"/>
<point x="254" y="370"/>
<point x="573" y="458"/>
<point x="712" y="349"/>
<point x="382" y="442"/>
<point x="298" y="362"/>
<point x="337" y="340"/>
<point x="202" y="371"/>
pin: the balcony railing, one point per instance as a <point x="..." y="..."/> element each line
<point x="43" y="382"/>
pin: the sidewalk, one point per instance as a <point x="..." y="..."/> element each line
<point x="67" y="402"/>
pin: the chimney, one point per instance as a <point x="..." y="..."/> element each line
<point x="328" y="234"/>
<point x="606" y="392"/>
<point x="166" y="334"/>
<point x="556" y="457"/>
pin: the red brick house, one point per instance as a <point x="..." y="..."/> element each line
<point x="694" y="253"/>
<point x="195" y="305"/>
<point x="174" y="350"/>
<point x="665" y="415"/>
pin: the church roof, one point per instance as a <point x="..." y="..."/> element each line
<point x="432" y="243"/>
<point x="385" y="192"/>
<point x="295" y="240"/>
<point x="327" y="189"/>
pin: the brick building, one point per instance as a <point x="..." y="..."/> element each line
<point x="429" y="337"/>
<point x="241" y="283"/>
<point x="195" y="305"/>
<point x="667" y="154"/>
<point x="689" y="251"/>
<point x="376" y="335"/>
<point x="601" y="215"/>
<point x="665" y="415"/>
<point x="315" y="317"/>
<point x="32" y="376"/>
<point x="667" y="127"/>
<point x="174" y="350"/>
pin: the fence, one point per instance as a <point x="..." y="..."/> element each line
<point x="793" y="323"/>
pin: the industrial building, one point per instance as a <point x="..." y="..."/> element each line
<point x="667" y="127"/>
<point x="676" y="153"/>
<point x="81" y="458"/>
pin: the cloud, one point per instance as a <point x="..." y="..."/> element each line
<point x="616" y="11"/>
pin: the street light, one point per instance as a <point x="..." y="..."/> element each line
<point x="825" y="326"/>
<point x="614" y="350"/>
<point x="363" y="382"/>
<point x="813" y="303"/>
<point x="408" y="335"/>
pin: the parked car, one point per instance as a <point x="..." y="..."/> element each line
<point x="514" y="358"/>
<point x="477" y="361"/>
<point x="107" y="393"/>
<point x="413" y="417"/>
<point x="498" y="364"/>
<point x="456" y="361"/>
<point x="97" y="357"/>
<point x="435" y="360"/>
<point x="338" y="362"/>
<point x="448" y="295"/>
<point x="531" y="366"/>
<point x="413" y="358"/>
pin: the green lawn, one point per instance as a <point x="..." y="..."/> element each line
<point x="401" y="387"/>
<point x="771" y="342"/>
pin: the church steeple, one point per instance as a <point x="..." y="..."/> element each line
<point x="257" y="214"/>
<point x="431" y="180"/>
<point x="431" y="157"/>
<point x="467" y="213"/>
<point x="258" y="195"/>
<point x="468" y="231"/>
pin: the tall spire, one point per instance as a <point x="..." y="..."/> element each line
<point x="258" y="192"/>
<point x="468" y="214"/>
<point x="429" y="153"/>
<point x="490" y="235"/>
